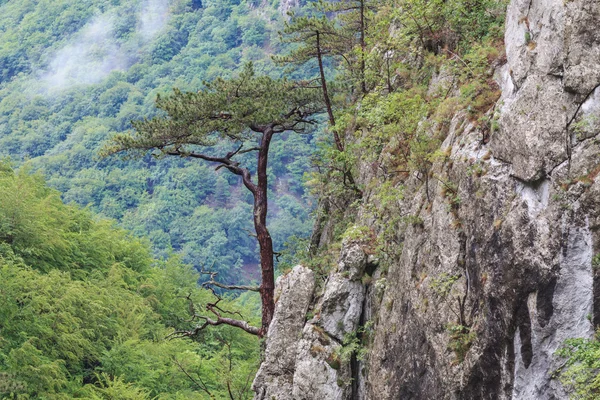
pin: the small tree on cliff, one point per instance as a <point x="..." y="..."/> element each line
<point x="244" y="114"/>
<point x="318" y="38"/>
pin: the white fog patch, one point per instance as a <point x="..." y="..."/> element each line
<point x="94" y="51"/>
<point x="88" y="60"/>
<point x="154" y="17"/>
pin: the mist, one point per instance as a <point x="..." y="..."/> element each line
<point x="154" y="17"/>
<point x="94" y="51"/>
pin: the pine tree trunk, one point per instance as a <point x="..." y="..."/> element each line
<point x="267" y="287"/>
<point x="338" y="142"/>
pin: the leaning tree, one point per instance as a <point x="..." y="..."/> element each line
<point x="242" y="114"/>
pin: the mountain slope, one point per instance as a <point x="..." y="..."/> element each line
<point x="74" y="73"/>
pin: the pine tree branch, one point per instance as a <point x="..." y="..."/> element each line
<point x="209" y="284"/>
<point x="218" y="319"/>
<point x="225" y="162"/>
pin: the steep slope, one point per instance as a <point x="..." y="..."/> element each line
<point x="490" y="266"/>
<point x="85" y="310"/>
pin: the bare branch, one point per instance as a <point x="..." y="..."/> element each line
<point x="213" y="282"/>
<point x="245" y="326"/>
<point x="233" y="153"/>
<point x="217" y="311"/>
<point x="198" y="383"/>
<point x="249" y="150"/>
<point x="232" y="287"/>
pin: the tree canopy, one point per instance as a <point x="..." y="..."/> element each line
<point x="85" y="310"/>
<point x="245" y="109"/>
<point x="233" y="110"/>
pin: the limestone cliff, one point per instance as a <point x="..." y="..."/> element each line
<point x="485" y="288"/>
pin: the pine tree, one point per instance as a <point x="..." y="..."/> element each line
<point x="354" y="17"/>
<point x="244" y="113"/>
<point x="318" y="38"/>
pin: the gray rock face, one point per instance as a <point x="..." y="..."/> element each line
<point x="572" y="303"/>
<point x="553" y="53"/>
<point x="342" y="303"/>
<point x="274" y="378"/>
<point x="483" y="293"/>
<point x="302" y="360"/>
<point x="353" y="260"/>
<point x="522" y="253"/>
<point x="342" y="306"/>
<point x="320" y="374"/>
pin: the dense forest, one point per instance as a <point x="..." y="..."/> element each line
<point x="85" y="310"/>
<point x="73" y="74"/>
<point x="86" y="306"/>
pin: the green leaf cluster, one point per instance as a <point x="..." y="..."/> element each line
<point x="231" y="109"/>
<point x="580" y="372"/>
<point x="84" y="310"/>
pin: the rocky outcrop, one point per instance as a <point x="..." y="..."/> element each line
<point x="525" y="243"/>
<point x="342" y="303"/>
<point x="320" y="372"/>
<point x="553" y="51"/>
<point x="294" y="291"/>
<point x="303" y="358"/>
<point x="487" y="287"/>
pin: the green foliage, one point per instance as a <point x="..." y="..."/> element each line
<point x="60" y="125"/>
<point x="230" y="110"/>
<point x="303" y="31"/>
<point x="442" y="285"/>
<point x="392" y="121"/>
<point x="85" y="311"/>
<point x="455" y="23"/>
<point x="333" y="31"/>
<point x="580" y="373"/>
<point x="461" y="339"/>
<point x="355" y="344"/>
<point x="115" y="388"/>
<point x="450" y="192"/>
<point x="357" y="233"/>
<point x="596" y="261"/>
<point x="48" y="235"/>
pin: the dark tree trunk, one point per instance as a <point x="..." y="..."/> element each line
<point x="338" y="142"/>
<point x="320" y="220"/>
<point x="267" y="287"/>
<point x="363" y="47"/>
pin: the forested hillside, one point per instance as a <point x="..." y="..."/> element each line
<point x="75" y="73"/>
<point x="85" y="311"/>
<point x="448" y="150"/>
